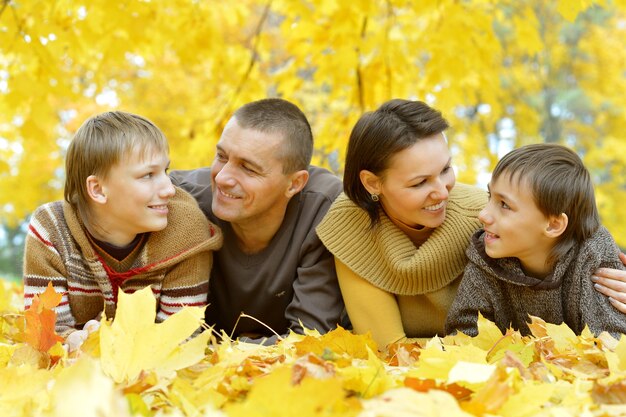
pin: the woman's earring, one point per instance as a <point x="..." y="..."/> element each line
<point x="375" y="198"/>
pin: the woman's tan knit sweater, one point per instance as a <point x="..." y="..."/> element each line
<point x="386" y="258"/>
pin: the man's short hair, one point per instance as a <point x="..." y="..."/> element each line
<point x="379" y="135"/>
<point x="275" y="115"/>
<point x="559" y="183"/>
<point x="101" y="142"/>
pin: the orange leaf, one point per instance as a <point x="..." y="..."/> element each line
<point x="40" y="318"/>
<point x="425" y="385"/>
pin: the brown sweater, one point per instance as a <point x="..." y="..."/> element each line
<point x="175" y="262"/>
<point x="500" y="290"/>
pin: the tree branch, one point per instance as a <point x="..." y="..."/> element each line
<point x="5" y="3"/>
<point x="359" y="75"/>
<point x="253" y="59"/>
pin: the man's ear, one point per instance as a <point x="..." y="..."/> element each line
<point x="370" y="181"/>
<point x="297" y="182"/>
<point x="95" y="190"/>
<point x="556" y="225"/>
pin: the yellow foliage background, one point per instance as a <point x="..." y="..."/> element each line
<point x="504" y="72"/>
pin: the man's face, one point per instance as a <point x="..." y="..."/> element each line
<point x="247" y="176"/>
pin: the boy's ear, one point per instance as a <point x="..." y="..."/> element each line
<point x="95" y="189"/>
<point x="556" y="225"/>
<point x="370" y="181"/>
<point x="298" y="181"/>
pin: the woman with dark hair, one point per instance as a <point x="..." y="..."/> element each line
<point x="400" y="230"/>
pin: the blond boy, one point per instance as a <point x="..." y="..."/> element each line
<point x="123" y="226"/>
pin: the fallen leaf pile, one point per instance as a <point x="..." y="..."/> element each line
<point x="135" y="367"/>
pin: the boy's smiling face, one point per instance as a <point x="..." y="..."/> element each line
<point x="137" y="191"/>
<point x="515" y="227"/>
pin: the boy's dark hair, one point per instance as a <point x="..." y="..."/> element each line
<point x="377" y="136"/>
<point x="275" y="115"/>
<point x="559" y="183"/>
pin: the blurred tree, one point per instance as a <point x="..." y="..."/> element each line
<point x="504" y="72"/>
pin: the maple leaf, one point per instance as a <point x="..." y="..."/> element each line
<point x="39" y="331"/>
<point x="405" y="402"/>
<point x="274" y="395"/>
<point x="368" y="378"/>
<point x="339" y="341"/>
<point x="72" y="394"/>
<point x="425" y="385"/>
<point x="133" y="342"/>
<point x="491" y="396"/>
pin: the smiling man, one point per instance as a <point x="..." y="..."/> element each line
<point x="268" y="200"/>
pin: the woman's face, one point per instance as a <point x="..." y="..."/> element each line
<point x="414" y="189"/>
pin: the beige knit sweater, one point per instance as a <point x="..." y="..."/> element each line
<point x="423" y="280"/>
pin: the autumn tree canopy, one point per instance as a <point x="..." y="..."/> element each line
<point x="504" y="72"/>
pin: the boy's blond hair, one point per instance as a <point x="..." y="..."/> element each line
<point x="101" y="142"/>
<point x="559" y="183"/>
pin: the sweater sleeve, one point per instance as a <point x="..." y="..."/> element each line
<point x="370" y="308"/>
<point x="472" y="297"/>
<point x="316" y="302"/>
<point x="42" y="264"/>
<point x="594" y="308"/>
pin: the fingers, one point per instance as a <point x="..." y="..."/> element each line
<point x="622" y="257"/>
<point x="75" y="339"/>
<point x="611" y="274"/>
<point x="91" y="326"/>
<point x="614" y="290"/>
<point x="618" y="305"/>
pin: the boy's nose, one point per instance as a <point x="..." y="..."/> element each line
<point x="484" y="216"/>
<point x="168" y="189"/>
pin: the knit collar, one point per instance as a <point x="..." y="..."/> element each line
<point x="387" y="258"/>
<point x="510" y="269"/>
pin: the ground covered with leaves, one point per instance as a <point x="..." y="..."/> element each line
<point x="134" y="367"/>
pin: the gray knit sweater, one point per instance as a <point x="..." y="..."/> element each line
<point x="500" y="290"/>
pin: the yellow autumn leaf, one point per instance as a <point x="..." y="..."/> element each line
<point x="133" y="342"/>
<point x="24" y="390"/>
<point x="275" y="396"/>
<point x="436" y="361"/>
<point x="564" y="338"/>
<point x="339" y="341"/>
<point x="367" y="378"/>
<point x="616" y="362"/>
<point x="72" y="394"/>
<point x="405" y="402"/>
<point x="529" y="400"/>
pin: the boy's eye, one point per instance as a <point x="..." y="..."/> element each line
<point x="504" y="205"/>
